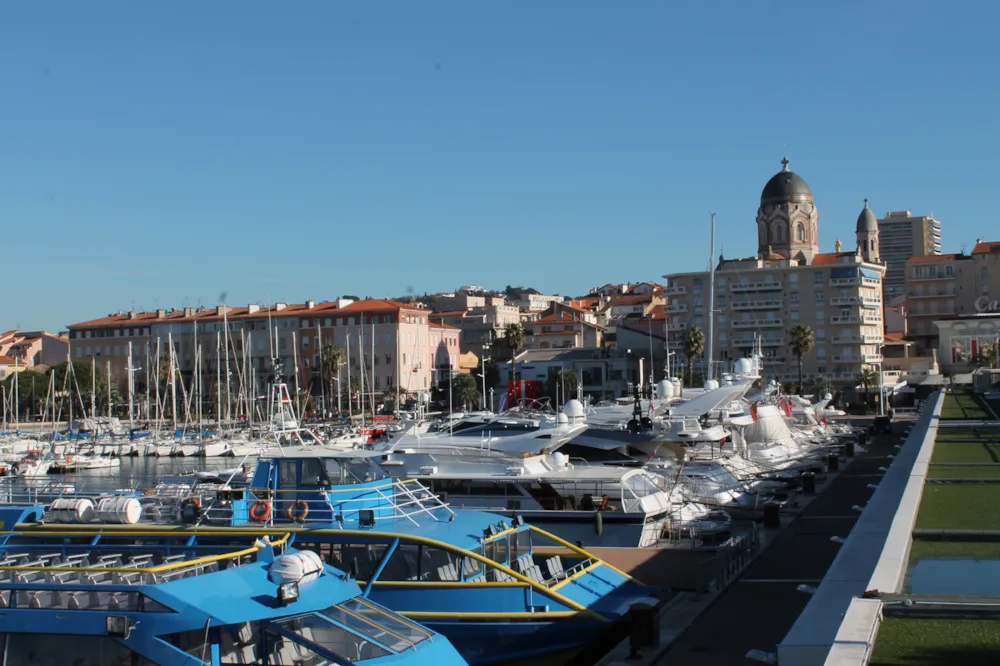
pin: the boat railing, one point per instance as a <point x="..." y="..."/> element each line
<point x="398" y="499"/>
<point x="95" y="581"/>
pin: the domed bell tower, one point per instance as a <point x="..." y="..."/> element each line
<point x="787" y="220"/>
<point x="867" y="233"/>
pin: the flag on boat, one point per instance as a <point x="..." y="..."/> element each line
<point x="753" y="412"/>
<point x="786" y="406"/>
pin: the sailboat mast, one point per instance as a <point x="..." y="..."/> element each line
<point x="131" y="388"/>
<point x="225" y="345"/>
<point x="173" y="382"/>
<point x="93" y="388"/>
<point x="709" y="343"/>
<point x="361" y="367"/>
<point x="109" y="393"/>
<point x="218" y="381"/>
<point x="350" y="397"/>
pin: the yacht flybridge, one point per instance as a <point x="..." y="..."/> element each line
<point x="507" y="434"/>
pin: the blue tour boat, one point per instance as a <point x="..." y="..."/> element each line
<point x="498" y="588"/>
<point x="156" y="599"/>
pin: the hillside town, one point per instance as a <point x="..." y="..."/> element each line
<point x="884" y="312"/>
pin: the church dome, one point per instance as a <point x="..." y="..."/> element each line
<point x="867" y="221"/>
<point x="785" y="187"/>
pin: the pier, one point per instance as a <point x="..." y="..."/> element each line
<point x="758" y="606"/>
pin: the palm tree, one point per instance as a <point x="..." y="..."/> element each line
<point x="801" y="341"/>
<point x="820" y="386"/>
<point x="694" y="347"/>
<point x="869" y="378"/>
<point x="331" y="357"/>
<point x="464" y="390"/>
<point x="514" y="334"/>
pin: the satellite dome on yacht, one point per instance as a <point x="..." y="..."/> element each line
<point x="573" y="408"/>
<point x="562" y="419"/>
<point x="711" y="384"/>
<point x="743" y="366"/>
<point x="664" y="390"/>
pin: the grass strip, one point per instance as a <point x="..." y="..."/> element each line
<point x="960" y="507"/>
<point x="932" y="642"/>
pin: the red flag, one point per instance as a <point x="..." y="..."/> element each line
<point x="753" y="412"/>
<point x="786" y="406"/>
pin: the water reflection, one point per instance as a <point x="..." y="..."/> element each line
<point x="956" y="576"/>
<point x="139" y="472"/>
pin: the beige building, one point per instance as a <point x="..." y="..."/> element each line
<point x="562" y="329"/>
<point x="838" y="295"/>
<point x="903" y="236"/>
<point x="392" y="342"/>
<point x="33" y="348"/>
<point x="950" y="285"/>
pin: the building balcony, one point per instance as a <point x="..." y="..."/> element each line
<point x="845" y="319"/>
<point x="850" y="376"/>
<point x="770" y="304"/>
<point x="674" y="289"/>
<point x="856" y="339"/>
<point x="677" y="326"/>
<point x="931" y="278"/>
<point x="855" y="300"/>
<point x="871" y="358"/>
<point x="845" y="282"/>
<point x="758" y="323"/>
<point x="850" y="359"/>
<point x="940" y="313"/>
<point x="765" y="342"/>
<point x="755" y="286"/>
<point x="674" y="308"/>
<point x="914" y="294"/>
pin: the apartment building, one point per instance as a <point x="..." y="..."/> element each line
<point x="481" y="325"/>
<point x="562" y="329"/>
<point x="31" y="348"/>
<point x="536" y="302"/>
<point x="838" y="295"/>
<point x="948" y="286"/>
<point x="903" y="236"/>
<point x="390" y="341"/>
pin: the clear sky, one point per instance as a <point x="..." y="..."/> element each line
<point x="157" y="154"/>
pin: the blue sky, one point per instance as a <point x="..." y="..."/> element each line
<point x="162" y="154"/>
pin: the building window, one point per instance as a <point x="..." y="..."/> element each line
<point x="793" y="279"/>
<point x="818" y="297"/>
<point x="79" y="352"/>
<point x="305" y="341"/>
<point x="793" y="298"/>
<point x="800" y="233"/>
<point x="985" y="272"/>
<point x="794" y="315"/>
<point x="820" y="352"/>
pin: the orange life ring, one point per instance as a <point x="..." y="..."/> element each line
<point x="291" y="511"/>
<point x="260" y="511"/>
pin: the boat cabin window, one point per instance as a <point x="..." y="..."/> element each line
<point x="314" y="472"/>
<point x="195" y="642"/>
<point x="496" y="550"/>
<point x="520" y="544"/>
<point x="286" y="473"/>
<point x="323" y="633"/>
<point x="377" y="623"/>
<point x="32" y="649"/>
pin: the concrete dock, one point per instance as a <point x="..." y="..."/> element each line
<point x="759" y="607"/>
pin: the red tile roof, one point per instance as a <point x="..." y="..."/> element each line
<point x="630" y="300"/>
<point x="986" y="247"/>
<point x="931" y="258"/>
<point x="828" y="258"/>
<point x="435" y="324"/>
<point x="6" y="360"/>
<point x="449" y="313"/>
<point x="893" y="337"/>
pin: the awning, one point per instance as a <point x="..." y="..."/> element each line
<point x="871" y="274"/>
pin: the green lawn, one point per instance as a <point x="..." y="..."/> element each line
<point x="960" y="507"/>
<point x="975" y="550"/>
<point x="963" y="405"/>
<point x="966" y="453"/>
<point x="933" y="642"/>
<point x="963" y="471"/>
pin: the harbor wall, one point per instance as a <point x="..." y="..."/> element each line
<point x="837" y="626"/>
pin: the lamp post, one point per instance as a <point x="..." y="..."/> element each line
<point x="881" y="382"/>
